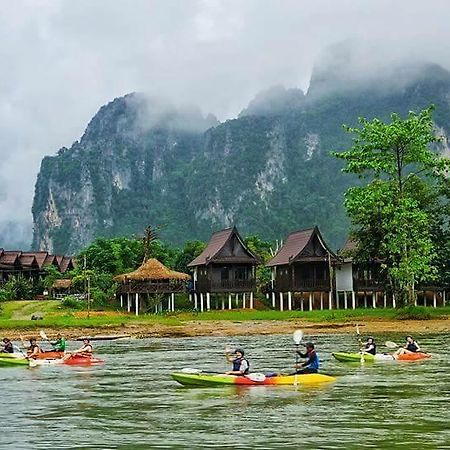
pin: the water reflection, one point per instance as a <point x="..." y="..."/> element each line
<point x="132" y="403"/>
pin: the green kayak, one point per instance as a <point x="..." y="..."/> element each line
<point x="357" y="357"/>
<point x="6" y="360"/>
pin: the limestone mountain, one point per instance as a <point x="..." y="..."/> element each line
<point x="141" y="161"/>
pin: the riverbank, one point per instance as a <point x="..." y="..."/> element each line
<point x="15" y="322"/>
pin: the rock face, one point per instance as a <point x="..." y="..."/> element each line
<point x="141" y="161"/>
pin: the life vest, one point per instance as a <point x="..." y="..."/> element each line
<point x="313" y="360"/>
<point x="373" y="350"/>
<point x="8" y="348"/>
<point x="237" y="365"/>
<point x="412" y="347"/>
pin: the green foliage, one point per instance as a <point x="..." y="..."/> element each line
<point x="73" y="303"/>
<point x="412" y="312"/>
<point x="390" y="215"/>
<point x="188" y="253"/>
<point x="51" y="274"/>
<point x="17" y="288"/>
<point x="263" y="251"/>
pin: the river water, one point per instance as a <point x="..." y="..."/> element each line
<point x="132" y="403"/>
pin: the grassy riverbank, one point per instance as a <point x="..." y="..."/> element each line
<point x="15" y="319"/>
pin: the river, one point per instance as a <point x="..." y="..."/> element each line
<point x="132" y="403"/>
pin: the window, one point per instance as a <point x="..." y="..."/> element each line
<point x="241" y="273"/>
<point x="224" y="273"/>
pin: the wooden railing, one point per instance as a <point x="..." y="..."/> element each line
<point x="359" y="284"/>
<point x="302" y="285"/>
<point x="142" y="287"/>
<point x="225" y="285"/>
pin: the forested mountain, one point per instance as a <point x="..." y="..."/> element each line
<point x="143" y="162"/>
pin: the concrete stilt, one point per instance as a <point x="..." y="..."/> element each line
<point x="195" y="301"/>
<point x="208" y="301"/>
<point x="121" y="300"/>
<point x="290" y="301"/>
<point x="251" y="300"/>
<point x="229" y="301"/>
<point x="137" y="304"/>
<point x="243" y="300"/>
<point x="281" y="301"/>
<point x="443" y="298"/>
<point x="353" y="300"/>
<point x="310" y="301"/>
<point x="330" y="300"/>
<point x="434" y="299"/>
<point x="337" y="300"/>
<point x="321" y="300"/>
<point x="128" y="302"/>
<point x="385" y="300"/>
<point x="374" y="300"/>
<point x="365" y="300"/>
<point x="236" y="300"/>
<point x="223" y="303"/>
<point x="345" y="300"/>
<point x="302" y="306"/>
<point x="393" y="301"/>
<point x="201" y="302"/>
<point x="273" y="300"/>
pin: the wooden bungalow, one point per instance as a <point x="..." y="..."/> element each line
<point x="367" y="286"/>
<point x="151" y="279"/>
<point x="302" y="269"/>
<point x="226" y="267"/>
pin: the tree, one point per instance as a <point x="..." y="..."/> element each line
<point x="390" y="215"/>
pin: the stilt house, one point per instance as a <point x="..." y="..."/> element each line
<point x="225" y="267"/>
<point x="302" y="270"/>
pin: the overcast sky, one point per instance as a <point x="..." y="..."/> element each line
<point x="62" y="60"/>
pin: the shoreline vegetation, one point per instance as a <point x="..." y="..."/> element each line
<point x="15" y="321"/>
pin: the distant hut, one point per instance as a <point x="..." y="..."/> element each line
<point x="152" y="278"/>
<point x="60" y="288"/>
<point x="303" y="268"/>
<point x="226" y="266"/>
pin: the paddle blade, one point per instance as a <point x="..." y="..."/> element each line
<point x="258" y="377"/>
<point x="297" y="336"/>
<point x="390" y="344"/>
<point x="43" y="335"/>
<point x="191" y="371"/>
<point x="357" y="330"/>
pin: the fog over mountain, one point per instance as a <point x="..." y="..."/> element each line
<point x="62" y="60"/>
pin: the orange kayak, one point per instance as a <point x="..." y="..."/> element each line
<point x="49" y="355"/>
<point x="413" y="356"/>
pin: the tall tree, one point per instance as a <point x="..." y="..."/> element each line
<point x="390" y="215"/>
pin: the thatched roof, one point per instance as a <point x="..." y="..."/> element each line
<point x="152" y="270"/>
<point x="62" y="284"/>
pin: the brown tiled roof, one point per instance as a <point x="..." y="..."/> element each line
<point x="50" y="259"/>
<point x="152" y="270"/>
<point x="40" y="257"/>
<point x="216" y="244"/>
<point x="28" y="260"/>
<point x="66" y="261"/>
<point x="295" y="244"/>
<point x="10" y="257"/>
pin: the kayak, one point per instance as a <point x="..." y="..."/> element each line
<point x="76" y="360"/>
<point x="413" y="356"/>
<point x="188" y="379"/>
<point x="49" y="355"/>
<point x="356" y="357"/>
<point x="17" y="360"/>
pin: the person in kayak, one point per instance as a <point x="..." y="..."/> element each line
<point x="312" y="363"/>
<point x="33" y="349"/>
<point x="85" y="350"/>
<point x="7" y="346"/>
<point x="241" y="366"/>
<point x="60" y="344"/>
<point x="370" y="346"/>
<point x="411" y="346"/>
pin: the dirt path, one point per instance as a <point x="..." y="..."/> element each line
<point x="229" y="328"/>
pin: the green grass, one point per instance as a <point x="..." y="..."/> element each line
<point x="17" y="314"/>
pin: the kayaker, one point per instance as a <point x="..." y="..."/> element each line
<point x="241" y="366"/>
<point x="411" y="347"/>
<point x="33" y="349"/>
<point x="60" y="344"/>
<point x="85" y="350"/>
<point x="370" y="346"/>
<point x="311" y="365"/>
<point x="7" y="346"/>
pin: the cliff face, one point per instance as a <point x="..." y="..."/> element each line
<point x="143" y="162"/>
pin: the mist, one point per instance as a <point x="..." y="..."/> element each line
<point x="63" y="60"/>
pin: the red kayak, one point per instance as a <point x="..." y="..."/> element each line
<point x="416" y="356"/>
<point x="80" y="360"/>
<point x="49" y="355"/>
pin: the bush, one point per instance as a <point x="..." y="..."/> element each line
<point x="71" y="302"/>
<point x="413" y="313"/>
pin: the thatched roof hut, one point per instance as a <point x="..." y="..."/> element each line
<point x="62" y="284"/>
<point x="152" y="270"/>
<point x="151" y="279"/>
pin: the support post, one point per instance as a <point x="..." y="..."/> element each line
<point x="385" y="300"/>
<point x="302" y="306"/>
<point x="128" y="302"/>
<point x="345" y="300"/>
<point x="201" y="302"/>
<point x="393" y="301"/>
<point x="223" y="304"/>
<point x="121" y="300"/>
<point x="251" y="300"/>
<point x="321" y="300"/>
<point x="434" y="299"/>
<point x="243" y="300"/>
<point x="290" y="301"/>
<point x="173" y="302"/>
<point x="195" y="301"/>
<point x="330" y="300"/>
<point x="310" y="301"/>
<point x="374" y="300"/>
<point x="273" y="300"/>
<point x="137" y="304"/>
<point x="229" y="301"/>
<point x="208" y="301"/>
<point x="443" y="298"/>
<point x="337" y="300"/>
<point x="236" y="300"/>
<point x="353" y="300"/>
<point x="281" y="301"/>
<point x="365" y="299"/>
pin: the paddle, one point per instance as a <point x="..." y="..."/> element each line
<point x="390" y="344"/>
<point x="43" y="335"/>
<point x="192" y="371"/>
<point x="297" y="338"/>
<point x="358" y="334"/>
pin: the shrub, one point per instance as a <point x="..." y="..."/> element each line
<point x="413" y="313"/>
<point x="72" y="302"/>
